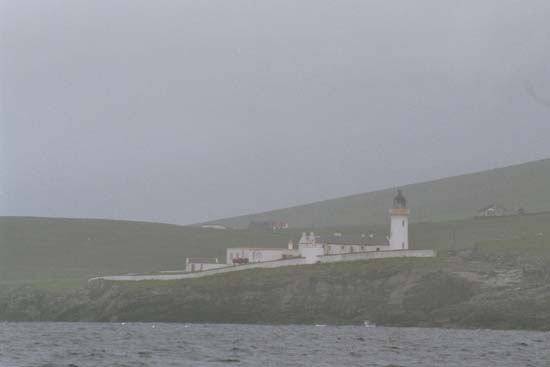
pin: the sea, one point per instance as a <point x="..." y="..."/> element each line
<point x="159" y="344"/>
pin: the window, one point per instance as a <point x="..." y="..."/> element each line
<point x="403" y="222"/>
<point x="403" y="245"/>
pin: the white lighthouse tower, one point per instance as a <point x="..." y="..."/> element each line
<point x="399" y="235"/>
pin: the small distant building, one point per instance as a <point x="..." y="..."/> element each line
<point x="492" y="210"/>
<point x="280" y="225"/>
<point x="267" y="226"/>
<point x="213" y="226"/>
<point x="201" y="264"/>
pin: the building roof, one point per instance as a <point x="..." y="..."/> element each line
<point x="358" y="240"/>
<point x="259" y="248"/>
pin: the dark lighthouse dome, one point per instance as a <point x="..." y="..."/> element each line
<point x="399" y="201"/>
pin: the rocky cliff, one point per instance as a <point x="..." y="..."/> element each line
<point x="478" y="288"/>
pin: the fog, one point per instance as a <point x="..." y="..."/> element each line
<point x="185" y="111"/>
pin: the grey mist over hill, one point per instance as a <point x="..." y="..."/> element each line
<point x="188" y="111"/>
<point x="513" y="188"/>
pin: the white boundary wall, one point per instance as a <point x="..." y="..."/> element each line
<point x="200" y="274"/>
<point x="356" y="256"/>
<point x="371" y="255"/>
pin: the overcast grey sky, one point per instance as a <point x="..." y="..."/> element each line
<point x="183" y="111"/>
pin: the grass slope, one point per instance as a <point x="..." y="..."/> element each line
<point x="494" y="284"/>
<point x="46" y="249"/>
<point x="490" y="273"/>
<point x="58" y="251"/>
<point x="520" y="186"/>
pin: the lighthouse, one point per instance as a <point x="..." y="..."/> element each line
<point x="399" y="214"/>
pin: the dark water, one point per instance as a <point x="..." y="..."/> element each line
<point x="88" y="344"/>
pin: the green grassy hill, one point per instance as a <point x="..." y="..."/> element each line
<point x="71" y="250"/>
<point x="490" y="272"/>
<point x="36" y="249"/>
<point x="521" y="186"/>
<point x="500" y="284"/>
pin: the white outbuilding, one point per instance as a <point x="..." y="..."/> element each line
<point x="201" y="264"/>
<point x="309" y="248"/>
